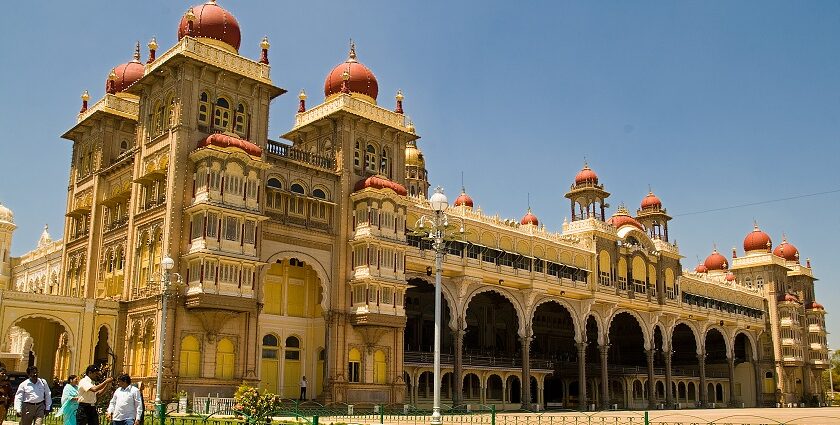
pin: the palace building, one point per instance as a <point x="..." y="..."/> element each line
<point x="300" y="257"/>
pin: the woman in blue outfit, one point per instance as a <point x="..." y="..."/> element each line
<point x="69" y="401"/>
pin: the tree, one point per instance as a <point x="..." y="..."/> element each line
<point x="834" y="370"/>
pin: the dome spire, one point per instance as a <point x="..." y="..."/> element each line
<point x="302" y="99"/>
<point x="351" y="57"/>
<point x="137" y="51"/>
<point x="85" y="98"/>
<point x="264" y="45"/>
<point x="399" y="97"/>
<point x="152" y="49"/>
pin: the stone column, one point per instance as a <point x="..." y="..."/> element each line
<point x="731" y="361"/>
<point x="581" y="346"/>
<point x="526" y="370"/>
<point x="458" y="367"/>
<point x="605" y="383"/>
<point x="701" y="359"/>
<point x="669" y="396"/>
<point x="651" y="384"/>
<point x="759" y="384"/>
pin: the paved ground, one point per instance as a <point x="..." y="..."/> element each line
<point x="810" y="416"/>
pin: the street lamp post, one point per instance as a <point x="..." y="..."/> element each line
<point x="166" y="267"/>
<point x="438" y="223"/>
<point x="830" y="379"/>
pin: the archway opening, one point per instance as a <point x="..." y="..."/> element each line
<point x="41" y="342"/>
<point x="684" y="362"/>
<point x="100" y="353"/>
<point x="492" y="326"/>
<point x="745" y="386"/>
<point x="420" y="319"/>
<point x="495" y="388"/>
<point x="716" y="362"/>
<point x="554" y="340"/>
<point x="627" y="351"/>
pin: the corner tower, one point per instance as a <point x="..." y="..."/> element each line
<point x="7" y="229"/>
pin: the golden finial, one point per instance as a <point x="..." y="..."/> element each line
<point x="190" y="15"/>
<point x="153" y="44"/>
<point x="352" y="56"/>
<point x="345" y="75"/>
<point x="302" y="95"/>
<point x="113" y="75"/>
<point x="137" y="52"/>
<point x="410" y="126"/>
<point x="86" y="95"/>
<point x="400" y="96"/>
<point x="264" y="44"/>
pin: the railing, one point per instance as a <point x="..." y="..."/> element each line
<point x="287" y="151"/>
<point x="210" y="405"/>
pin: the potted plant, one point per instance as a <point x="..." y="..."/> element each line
<point x="182" y="401"/>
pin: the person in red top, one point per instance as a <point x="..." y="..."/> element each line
<point x="6" y="394"/>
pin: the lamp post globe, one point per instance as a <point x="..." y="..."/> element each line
<point x="438" y="200"/>
<point x="167" y="263"/>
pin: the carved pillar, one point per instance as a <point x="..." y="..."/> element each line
<point x="759" y="387"/>
<point x="731" y="361"/>
<point x="581" y="346"/>
<point x="651" y="387"/>
<point x="669" y="395"/>
<point x="605" y="383"/>
<point x="526" y="370"/>
<point x="458" y="367"/>
<point x="701" y="359"/>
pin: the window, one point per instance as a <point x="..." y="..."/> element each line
<point x="319" y="193"/>
<point x="197" y="226"/>
<point x="231" y="228"/>
<point x="190" y="358"/>
<point x="123" y="146"/>
<point x="157" y="118"/>
<point x="292" y="348"/>
<point x="250" y="231"/>
<point x="354" y="365"/>
<point x="221" y="114"/>
<point x="380" y="367"/>
<point x="384" y="164"/>
<point x="357" y="157"/>
<point x="297" y="188"/>
<point x="203" y="110"/>
<point x="225" y="359"/>
<point x="240" y="120"/>
<point x="274" y="183"/>
<point x="270" y="345"/>
<point x="370" y="158"/>
<point x="215" y="180"/>
<point x="212" y="225"/>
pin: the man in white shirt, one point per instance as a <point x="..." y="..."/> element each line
<point x="88" y="389"/>
<point x="126" y="407"/>
<point x="33" y="398"/>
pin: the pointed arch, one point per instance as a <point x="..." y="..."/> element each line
<point x="517" y="306"/>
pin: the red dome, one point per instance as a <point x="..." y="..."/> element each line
<point x="651" y="201"/>
<point x="529" y="218"/>
<point x="715" y="261"/>
<point x="790" y="298"/>
<point x="757" y="241"/>
<point x="463" y="199"/>
<point x="787" y="251"/>
<point x="212" y="21"/>
<point x="125" y="74"/>
<point x="379" y="182"/>
<point x="622" y="217"/>
<point x="226" y="141"/>
<point x="361" y="79"/>
<point x="586" y="175"/>
<point x="730" y="277"/>
<point x="701" y="268"/>
<point x="815" y="306"/>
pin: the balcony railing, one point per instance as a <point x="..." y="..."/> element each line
<point x="287" y="151"/>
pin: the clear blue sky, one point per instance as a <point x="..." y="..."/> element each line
<point x="712" y="103"/>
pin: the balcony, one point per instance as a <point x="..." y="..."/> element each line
<point x="290" y="153"/>
<point x="224" y="296"/>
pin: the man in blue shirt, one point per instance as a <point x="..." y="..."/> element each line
<point x="126" y="407"/>
<point x="33" y="398"/>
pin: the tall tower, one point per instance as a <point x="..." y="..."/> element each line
<point x="654" y="217"/>
<point x="588" y="198"/>
<point x="7" y="228"/>
<point x="416" y="178"/>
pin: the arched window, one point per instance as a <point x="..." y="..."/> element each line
<point x="168" y="107"/>
<point x="221" y="114"/>
<point x="370" y="158"/>
<point x="357" y="156"/>
<point x="380" y="367"/>
<point x="274" y="184"/>
<point x="384" y="163"/>
<point x="203" y="110"/>
<point x="123" y="146"/>
<point x="319" y="193"/>
<point x="241" y="120"/>
<point x="190" y="359"/>
<point x="297" y="188"/>
<point x="157" y="122"/>
<point x="354" y="365"/>
<point x="270" y="367"/>
<point x="225" y="359"/>
<point x="292" y="348"/>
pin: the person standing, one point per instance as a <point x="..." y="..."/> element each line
<point x="33" y="398"/>
<point x="6" y="394"/>
<point x="88" y="390"/>
<point x="126" y="406"/>
<point x="303" y="388"/>
<point x="69" y="401"/>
